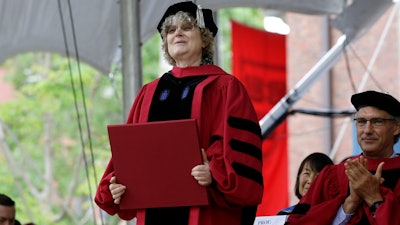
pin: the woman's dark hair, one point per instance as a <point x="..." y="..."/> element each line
<point x="317" y="162"/>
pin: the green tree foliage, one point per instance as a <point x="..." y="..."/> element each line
<point x="49" y="139"/>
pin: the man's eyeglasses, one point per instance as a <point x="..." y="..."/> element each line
<point x="376" y="122"/>
<point x="187" y="26"/>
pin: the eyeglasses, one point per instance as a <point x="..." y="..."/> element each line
<point x="187" y="26"/>
<point x="376" y="122"/>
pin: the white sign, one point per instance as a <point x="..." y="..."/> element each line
<point x="270" y="220"/>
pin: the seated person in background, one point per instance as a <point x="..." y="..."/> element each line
<point x="7" y="210"/>
<point x="308" y="170"/>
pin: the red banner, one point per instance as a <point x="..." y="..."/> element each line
<point x="259" y="61"/>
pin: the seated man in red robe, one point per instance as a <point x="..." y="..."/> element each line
<point x="364" y="189"/>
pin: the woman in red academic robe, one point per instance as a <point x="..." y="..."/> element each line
<point x="229" y="131"/>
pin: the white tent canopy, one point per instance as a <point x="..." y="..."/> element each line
<point x="38" y="25"/>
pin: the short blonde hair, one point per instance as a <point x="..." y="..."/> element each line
<point x="206" y="36"/>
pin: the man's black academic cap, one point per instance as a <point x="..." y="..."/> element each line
<point x="379" y="100"/>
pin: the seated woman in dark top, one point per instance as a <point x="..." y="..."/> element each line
<point x="308" y="170"/>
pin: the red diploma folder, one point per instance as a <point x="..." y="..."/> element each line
<point x="154" y="160"/>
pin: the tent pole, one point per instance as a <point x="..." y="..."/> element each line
<point x="131" y="53"/>
<point x="327" y="87"/>
<point x="279" y="112"/>
<point x="131" y="57"/>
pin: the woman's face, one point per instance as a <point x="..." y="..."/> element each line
<point x="307" y="176"/>
<point x="184" y="43"/>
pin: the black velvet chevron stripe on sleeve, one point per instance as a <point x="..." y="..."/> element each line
<point x="244" y="124"/>
<point x="248" y="172"/>
<point x="246" y="148"/>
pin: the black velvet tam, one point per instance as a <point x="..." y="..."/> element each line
<point x="379" y="100"/>
<point x="190" y="8"/>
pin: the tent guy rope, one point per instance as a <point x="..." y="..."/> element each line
<point x="76" y="101"/>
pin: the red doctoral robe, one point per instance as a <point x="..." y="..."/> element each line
<point x="224" y="115"/>
<point x="330" y="188"/>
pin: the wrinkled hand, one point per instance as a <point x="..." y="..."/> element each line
<point x="117" y="190"/>
<point x="364" y="186"/>
<point x="202" y="173"/>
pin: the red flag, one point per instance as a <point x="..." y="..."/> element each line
<point x="259" y="61"/>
